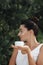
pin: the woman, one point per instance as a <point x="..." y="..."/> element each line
<point x="27" y="32"/>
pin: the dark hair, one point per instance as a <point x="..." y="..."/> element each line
<point x="30" y="24"/>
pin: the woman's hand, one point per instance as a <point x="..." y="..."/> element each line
<point x="24" y="49"/>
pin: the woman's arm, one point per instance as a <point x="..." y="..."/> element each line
<point x="39" y="60"/>
<point x="26" y="49"/>
<point x="40" y="57"/>
<point x="13" y="57"/>
<point x="30" y="59"/>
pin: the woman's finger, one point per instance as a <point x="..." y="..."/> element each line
<point x="12" y="46"/>
<point x="20" y="47"/>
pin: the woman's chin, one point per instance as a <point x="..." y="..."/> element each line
<point x="22" y="40"/>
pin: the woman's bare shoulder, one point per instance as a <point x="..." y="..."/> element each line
<point x="40" y="57"/>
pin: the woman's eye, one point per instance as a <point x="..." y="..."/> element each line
<point x="21" y="31"/>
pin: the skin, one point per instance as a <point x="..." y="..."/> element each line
<point x="31" y="43"/>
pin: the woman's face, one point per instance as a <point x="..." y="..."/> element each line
<point x="24" y="33"/>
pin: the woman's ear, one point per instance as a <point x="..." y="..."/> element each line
<point x="31" y="32"/>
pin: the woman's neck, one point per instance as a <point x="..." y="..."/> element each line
<point x="33" y="43"/>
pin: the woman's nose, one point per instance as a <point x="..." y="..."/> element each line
<point x="18" y="34"/>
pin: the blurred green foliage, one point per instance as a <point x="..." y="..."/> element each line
<point x="11" y="13"/>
